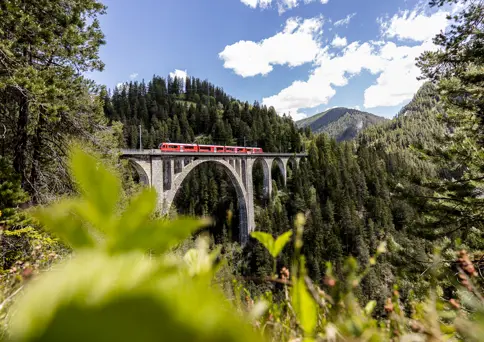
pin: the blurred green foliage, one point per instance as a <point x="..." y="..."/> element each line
<point x="110" y="290"/>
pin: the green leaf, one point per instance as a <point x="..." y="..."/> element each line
<point x="159" y="235"/>
<point x="281" y="241"/>
<point x="305" y="307"/>
<point x="274" y="247"/>
<point x="99" y="186"/>
<point x="59" y="219"/>
<point x="370" y="306"/>
<point x="199" y="261"/>
<point x="265" y="239"/>
<point x="138" y="211"/>
<point x="125" y="298"/>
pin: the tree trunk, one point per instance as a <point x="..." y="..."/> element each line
<point x="20" y="151"/>
<point x="37" y="150"/>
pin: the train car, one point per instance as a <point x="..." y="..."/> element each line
<point x="176" y="147"/>
<point x="255" y="150"/>
<point x="196" y="148"/>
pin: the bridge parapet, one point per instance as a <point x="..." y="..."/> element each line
<point x="157" y="152"/>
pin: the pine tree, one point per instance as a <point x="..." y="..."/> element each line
<point x="455" y="198"/>
<point x="46" y="46"/>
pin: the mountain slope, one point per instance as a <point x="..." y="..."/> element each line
<point x="415" y="125"/>
<point x="340" y="123"/>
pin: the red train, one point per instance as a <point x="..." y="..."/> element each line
<point x="176" y="147"/>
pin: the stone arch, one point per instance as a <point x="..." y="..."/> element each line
<point x="236" y="180"/>
<point x="143" y="169"/>
<point x="282" y="168"/>
<point x="267" y="183"/>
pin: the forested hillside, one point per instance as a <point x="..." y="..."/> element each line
<point x="351" y="192"/>
<point x="340" y="123"/>
<point x="355" y="194"/>
<point x="196" y="111"/>
<point x="415" y="124"/>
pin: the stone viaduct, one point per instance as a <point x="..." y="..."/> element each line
<point x="165" y="172"/>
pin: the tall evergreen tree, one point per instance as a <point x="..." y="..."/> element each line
<point x="45" y="46"/>
<point x="455" y="198"/>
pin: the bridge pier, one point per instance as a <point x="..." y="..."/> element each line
<point x="165" y="172"/>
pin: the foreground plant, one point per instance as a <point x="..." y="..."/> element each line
<point x="110" y="290"/>
<point x="335" y="314"/>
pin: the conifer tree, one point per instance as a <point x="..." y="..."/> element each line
<point x="45" y="47"/>
<point x="455" y="197"/>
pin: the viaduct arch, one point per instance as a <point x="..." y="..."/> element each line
<point x="165" y="172"/>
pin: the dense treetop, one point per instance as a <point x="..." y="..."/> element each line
<point x="196" y="111"/>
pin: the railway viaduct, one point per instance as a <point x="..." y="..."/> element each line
<point x="165" y="172"/>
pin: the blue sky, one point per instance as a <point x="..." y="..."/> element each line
<point x="300" y="56"/>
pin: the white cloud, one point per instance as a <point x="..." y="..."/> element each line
<point x="282" y="5"/>
<point x="255" y="3"/>
<point x="398" y="81"/>
<point x="331" y="71"/>
<point x="345" y="21"/>
<point x="295" y="45"/>
<point x="297" y="116"/>
<point x="414" y="25"/>
<point x="392" y="59"/>
<point x="133" y="75"/>
<point x="394" y="63"/>
<point x="339" y="41"/>
<point x="180" y="74"/>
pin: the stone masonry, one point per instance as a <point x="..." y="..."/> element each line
<point x="165" y="172"/>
